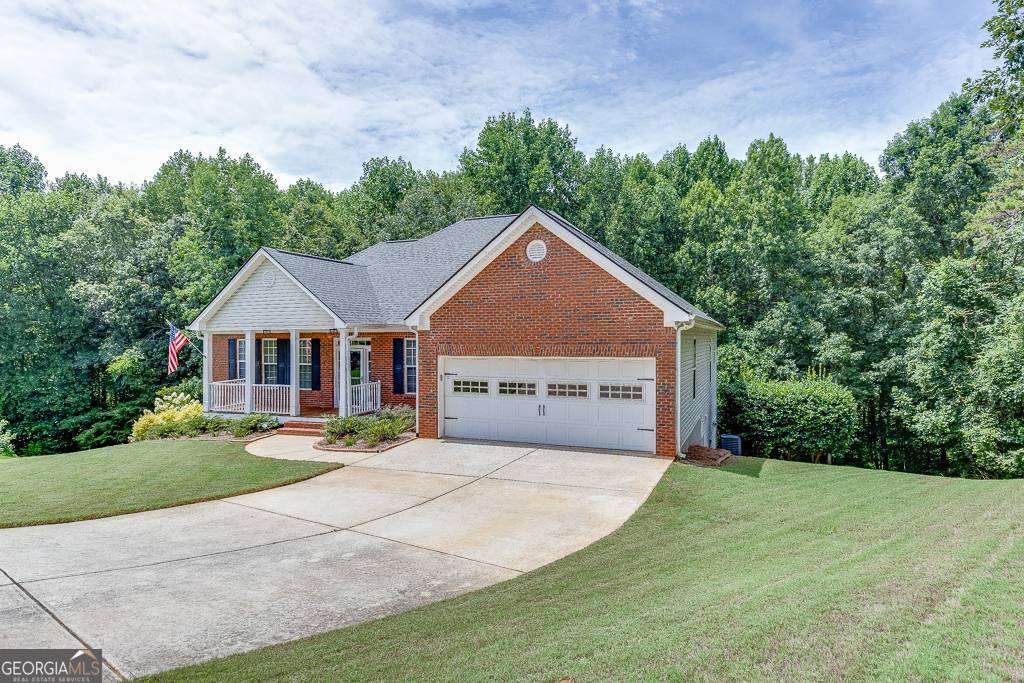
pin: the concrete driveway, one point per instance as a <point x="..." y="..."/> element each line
<point x="422" y="522"/>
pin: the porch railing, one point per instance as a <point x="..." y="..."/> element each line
<point x="272" y="398"/>
<point x="365" y="398"/>
<point x="228" y="396"/>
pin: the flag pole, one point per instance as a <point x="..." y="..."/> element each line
<point x="169" y="325"/>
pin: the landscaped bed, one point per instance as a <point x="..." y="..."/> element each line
<point x="757" y="570"/>
<point x="131" y="478"/>
<point x="387" y="428"/>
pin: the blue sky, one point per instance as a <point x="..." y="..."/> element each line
<point x="316" y="89"/>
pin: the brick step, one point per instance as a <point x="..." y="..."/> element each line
<point x="301" y="424"/>
<point x="299" y="431"/>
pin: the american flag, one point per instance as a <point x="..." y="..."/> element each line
<point x="178" y="339"/>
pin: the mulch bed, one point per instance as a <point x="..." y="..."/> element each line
<point x="361" y="447"/>
<point x="708" y="457"/>
<point x="222" y="436"/>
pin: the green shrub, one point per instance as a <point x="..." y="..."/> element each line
<point x="339" y="427"/>
<point x="797" y="419"/>
<point x="385" y="424"/>
<point x="167" y="422"/>
<point x="258" y="422"/>
<point x="384" y="429"/>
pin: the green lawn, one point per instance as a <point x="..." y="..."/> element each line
<point x="143" y="476"/>
<point x="762" y="570"/>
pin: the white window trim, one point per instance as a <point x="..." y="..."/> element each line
<point x="306" y="342"/>
<point x="414" y="367"/>
<point x="240" y="359"/>
<point x="263" y="359"/>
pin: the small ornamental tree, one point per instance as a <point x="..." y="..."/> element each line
<point x="6" y="439"/>
<point x="797" y="419"/>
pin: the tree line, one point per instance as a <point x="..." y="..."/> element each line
<point x="901" y="283"/>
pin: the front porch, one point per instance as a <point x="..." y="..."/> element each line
<point x="306" y="373"/>
<point x="229" y="396"/>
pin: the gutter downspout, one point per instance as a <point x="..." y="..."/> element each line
<point x="416" y="331"/>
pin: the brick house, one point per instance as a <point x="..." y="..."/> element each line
<point x="512" y="328"/>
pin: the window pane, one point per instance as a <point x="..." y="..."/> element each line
<point x="240" y="352"/>
<point x="305" y="350"/>
<point x="305" y="376"/>
<point x="241" y="369"/>
<point x="269" y="351"/>
<point x="410" y="380"/>
<point x="621" y="392"/>
<point x="559" y="390"/>
<point x="410" y="352"/>
<point x="517" y="388"/>
<point x="469" y="386"/>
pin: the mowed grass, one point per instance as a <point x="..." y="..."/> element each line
<point x="759" y="571"/>
<point x="131" y="478"/>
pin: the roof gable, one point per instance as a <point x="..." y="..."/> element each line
<point x="261" y="292"/>
<point x="676" y="309"/>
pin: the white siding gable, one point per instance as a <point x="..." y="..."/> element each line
<point x="281" y="305"/>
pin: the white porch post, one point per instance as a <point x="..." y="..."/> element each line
<point x="294" y="374"/>
<point x="207" y="369"/>
<point x="346" y="376"/>
<point x="250" y="369"/>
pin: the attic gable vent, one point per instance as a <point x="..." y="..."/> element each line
<point x="536" y="250"/>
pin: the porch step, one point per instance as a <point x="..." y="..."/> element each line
<point x="297" y="428"/>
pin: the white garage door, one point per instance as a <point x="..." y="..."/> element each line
<point x="592" y="402"/>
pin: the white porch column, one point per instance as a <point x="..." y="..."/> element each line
<point x="294" y="373"/>
<point x="207" y="369"/>
<point x="250" y="369"/>
<point x="345" y="409"/>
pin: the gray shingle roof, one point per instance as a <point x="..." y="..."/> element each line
<point x="386" y="282"/>
<point x="343" y="287"/>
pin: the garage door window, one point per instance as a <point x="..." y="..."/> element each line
<point x="621" y="392"/>
<point x="469" y="386"/>
<point x="517" y="388"/>
<point x="567" y="390"/>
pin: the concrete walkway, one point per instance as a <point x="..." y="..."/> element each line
<point x="422" y="522"/>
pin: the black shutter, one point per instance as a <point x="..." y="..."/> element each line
<point x="315" y="353"/>
<point x="283" y="366"/>
<point x="232" y="366"/>
<point x="399" y="363"/>
<point x="258" y="360"/>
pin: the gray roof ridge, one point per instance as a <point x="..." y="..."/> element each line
<point x="322" y="258"/>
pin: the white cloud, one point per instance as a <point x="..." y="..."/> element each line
<point x="314" y="89"/>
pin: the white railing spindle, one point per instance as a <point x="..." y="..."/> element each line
<point x="365" y="398"/>
<point x="272" y="398"/>
<point x="228" y="396"/>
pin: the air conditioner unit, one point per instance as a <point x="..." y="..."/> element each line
<point x="731" y="443"/>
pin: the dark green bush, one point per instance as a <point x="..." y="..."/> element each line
<point x="796" y="419"/>
<point x="387" y="423"/>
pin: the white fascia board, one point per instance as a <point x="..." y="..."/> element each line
<point x="254" y="262"/>
<point x="421" y="316"/>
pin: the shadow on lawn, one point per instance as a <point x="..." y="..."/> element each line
<point x="748" y="467"/>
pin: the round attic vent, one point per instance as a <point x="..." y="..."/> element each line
<point x="269" y="279"/>
<point x="536" y="250"/>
